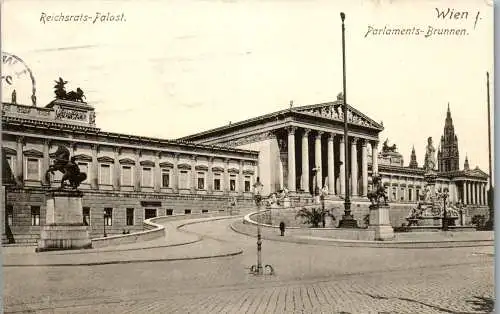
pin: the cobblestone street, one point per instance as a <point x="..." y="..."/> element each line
<point x="308" y="279"/>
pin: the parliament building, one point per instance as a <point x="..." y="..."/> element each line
<point x="131" y="178"/>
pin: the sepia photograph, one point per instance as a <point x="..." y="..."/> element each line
<point x="231" y="156"/>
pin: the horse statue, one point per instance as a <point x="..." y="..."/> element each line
<point x="75" y="96"/>
<point x="68" y="167"/>
<point x="388" y="149"/>
<point x="377" y="192"/>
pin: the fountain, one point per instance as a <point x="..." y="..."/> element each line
<point x="433" y="209"/>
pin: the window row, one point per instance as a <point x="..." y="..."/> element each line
<point x="107" y="215"/>
<point x="33" y="172"/>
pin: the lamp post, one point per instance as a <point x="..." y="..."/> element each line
<point x="258" y="269"/>
<point x="347" y="220"/>
<point x="104" y="223"/>
<point x="444" y="195"/>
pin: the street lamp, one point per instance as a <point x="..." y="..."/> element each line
<point x="104" y="223"/>
<point x="444" y="195"/>
<point x="258" y="269"/>
<point x="347" y="220"/>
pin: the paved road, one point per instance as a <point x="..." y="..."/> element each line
<point x="309" y="279"/>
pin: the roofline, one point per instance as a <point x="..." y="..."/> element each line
<point x="276" y="113"/>
<point x="97" y="132"/>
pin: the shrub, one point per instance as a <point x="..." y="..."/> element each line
<point x="313" y="216"/>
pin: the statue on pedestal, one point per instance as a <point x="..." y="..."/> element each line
<point x="68" y="167"/>
<point x="430" y="159"/>
<point x="378" y="192"/>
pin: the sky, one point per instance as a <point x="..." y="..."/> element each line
<point x="172" y="68"/>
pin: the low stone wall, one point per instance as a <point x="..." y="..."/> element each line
<point x="333" y="233"/>
<point x="152" y="231"/>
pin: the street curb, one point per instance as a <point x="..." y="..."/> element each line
<point x="372" y="244"/>
<point x="238" y="252"/>
<point x="200" y="238"/>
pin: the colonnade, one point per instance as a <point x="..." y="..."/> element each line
<point x="356" y="172"/>
<point x="474" y="193"/>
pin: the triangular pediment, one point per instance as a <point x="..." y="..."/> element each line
<point x="333" y="110"/>
<point x="476" y="172"/>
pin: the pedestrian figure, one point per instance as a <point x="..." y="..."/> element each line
<point x="282" y="228"/>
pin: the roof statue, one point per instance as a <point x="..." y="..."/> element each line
<point x="430" y="159"/>
<point x="60" y="91"/>
<point x="68" y="167"/>
<point x="388" y="149"/>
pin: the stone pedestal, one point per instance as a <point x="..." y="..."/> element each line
<point x="286" y="202"/>
<point x="380" y="223"/>
<point x="64" y="228"/>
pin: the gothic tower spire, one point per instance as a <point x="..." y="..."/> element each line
<point x="448" y="155"/>
<point x="413" y="159"/>
<point x="466" y="163"/>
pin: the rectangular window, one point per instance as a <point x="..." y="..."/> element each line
<point x="33" y="169"/>
<point x="127" y="175"/>
<point x="232" y="182"/>
<point x="86" y="216"/>
<point x="410" y="195"/>
<point x="149" y="213"/>
<point x="247" y="183"/>
<point x="130" y="216"/>
<point x="147" y="177"/>
<point x="9" y="213"/>
<point x="108" y="216"/>
<point x="187" y="211"/>
<point x="402" y="195"/>
<point x="165" y="178"/>
<point x="170" y="212"/>
<point x="204" y="210"/>
<point x="105" y="174"/>
<point x="184" y="180"/>
<point x="201" y="180"/>
<point x="10" y="161"/>
<point x="417" y="193"/>
<point x="84" y="167"/>
<point x="35" y="215"/>
<point x="217" y="181"/>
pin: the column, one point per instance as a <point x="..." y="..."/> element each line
<point x="116" y="169"/>
<point x="46" y="160"/>
<point x="138" y="171"/>
<point x="210" y="179"/>
<point x="364" y="168"/>
<point x="469" y="192"/>
<point x="317" y="160"/>
<point x="157" y="173"/>
<point x="331" y="164"/>
<point x="485" y="191"/>
<point x="305" y="161"/>
<point x="291" y="159"/>
<point x="241" y="179"/>
<point x="464" y="192"/>
<point x="480" y="193"/>
<point x="374" y="157"/>
<point x="354" y="167"/>
<point x="94" y="171"/>
<point x="342" y="172"/>
<point x="194" y="174"/>
<point x="175" y="173"/>
<point x="226" y="176"/>
<point x="474" y="198"/>
<point x="20" y="161"/>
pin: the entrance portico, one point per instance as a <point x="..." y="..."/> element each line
<point x="302" y="148"/>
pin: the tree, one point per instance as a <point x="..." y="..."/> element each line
<point x="313" y="216"/>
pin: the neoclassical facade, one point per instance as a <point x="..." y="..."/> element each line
<point x="129" y="178"/>
<point x="303" y="148"/>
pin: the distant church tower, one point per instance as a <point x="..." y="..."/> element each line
<point x="448" y="156"/>
<point x="413" y="159"/>
<point x="466" y="163"/>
